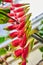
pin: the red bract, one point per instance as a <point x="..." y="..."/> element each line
<point x="19" y="10"/>
<point x="21" y="25"/>
<point x="23" y="42"/>
<point x="11" y="21"/>
<point x="21" y="14"/>
<point x="7" y="0"/>
<point x="21" y="32"/>
<point x="13" y="34"/>
<point x="22" y="19"/>
<point x="11" y="8"/>
<point x="18" y="52"/>
<point x="19" y="5"/>
<point x="18" y="33"/>
<point x="16" y="18"/>
<point x="15" y="15"/>
<point x="15" y="26"/>
<point x="11" y="14"/>
<point x="12" y="27"/>
<point x="25" y="52"/>
<point x="25" y="17"/>
<point x="16" y="42"/>
<point x="23" y="62"/>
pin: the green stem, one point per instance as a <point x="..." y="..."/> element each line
<point x="42" y="55"/>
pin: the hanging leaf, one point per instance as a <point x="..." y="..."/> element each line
<point x="2" y="51"/>
<point x="2" y="39"/>
<point x="31" y="44"/>
<point x="41" y="49"/>
<point x="42" y="22"/>
<point x="7" y="10"/>
<point x="3" y="18"/>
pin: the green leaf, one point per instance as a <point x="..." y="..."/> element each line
<point x="41" y="49"/>
<point x="26" y="60"/>
<point x="3" y="18"/>
<point x="2" y="51"/>
<point x="42" y="22"/>
<point x="0" y="1"/>
<point x="6" y="10"/>
<point x="41" y="32"/>
<point x="31" y="44"/>
<point x="2" y="39"/>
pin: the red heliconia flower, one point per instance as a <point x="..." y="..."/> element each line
<point x="11" y="21"/>
<point x="21" y="32"/>
<point x="16" y="42"/>
<point x="21" y="14"/>
<point x="7" y="0"/>
<point x="18" y="33"/>
<point x="22" y="19"/>
<point x="25" y="52"/>
<point x="21" y="25"/>
<point x="18" y="10"/>
<point x="23" y="42"/>
<point x="19" y="5"/>
<point x="11" y="8"/>
<point x="11" y="14"/>
<point x="23" y="62"/>
<point x="18" y="52"/>
<point x="12" y="27"/>
<point x="13" y="34"/>
<point x="15" y="26"/>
